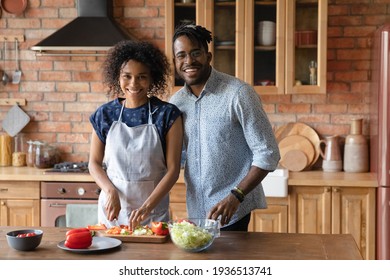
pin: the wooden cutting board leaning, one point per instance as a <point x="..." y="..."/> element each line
<point x="296" y="143"/>
<point x="301" y="129"/>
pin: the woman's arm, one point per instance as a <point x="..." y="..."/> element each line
<point x="97" y="172"/>
<point x="174" y="140"/>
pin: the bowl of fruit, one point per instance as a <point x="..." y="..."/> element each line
<point x="25" y="239"/>
<point x="193" y="234"/>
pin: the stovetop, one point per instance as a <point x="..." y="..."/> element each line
<point x="71" y="167"/>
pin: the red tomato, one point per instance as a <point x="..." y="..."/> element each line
<point x="160" y="228"/>
<point x="21" y="235"/>
<point x="30" y="234"/>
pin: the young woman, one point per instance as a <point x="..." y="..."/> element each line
<point x="137" y="136"/>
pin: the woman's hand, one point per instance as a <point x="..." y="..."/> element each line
<point x="224" y="209"/>
<point x="113" y="205"/>
<point x="137" y="216"/>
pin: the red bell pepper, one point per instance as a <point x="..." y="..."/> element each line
<point x="160" y="228"/>
<point x="80" y="238"/>
<point x="76" y="230"/>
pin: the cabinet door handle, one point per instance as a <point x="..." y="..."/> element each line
<point x="3" y="190"/>
<point x="2" y="203"/>
<point x="328" y="189"/>
<point x="336" y="190"/>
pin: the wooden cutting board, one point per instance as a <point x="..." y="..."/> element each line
<point x="302" y="129"/>
<point x="135" y="238"/>
<point x="296" y="142"/>
<point x="295" y="160"/>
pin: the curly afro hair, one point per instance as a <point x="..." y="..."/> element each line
<point x="143" y="52"/>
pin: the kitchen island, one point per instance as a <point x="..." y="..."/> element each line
<point x="230" y="245"/>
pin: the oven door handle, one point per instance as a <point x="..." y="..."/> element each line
<point x="57" y="205"/>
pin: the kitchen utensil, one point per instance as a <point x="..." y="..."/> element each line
<point x="297" y="128"/>
<point x="5" y="77"/>
<point x="295" y="160"/>
<point x="331" y="154"/>
<point x="296" y="142"/>
<point x="17" y="73"/>
<point x="15" y="7"/>
<point x="15" y="120"/>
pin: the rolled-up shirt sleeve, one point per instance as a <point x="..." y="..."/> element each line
<point x="257" y="129"/>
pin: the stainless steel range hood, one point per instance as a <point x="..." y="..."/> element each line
<point x="94" y="31"/>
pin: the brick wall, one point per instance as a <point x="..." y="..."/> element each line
<point x="62" y="92"/>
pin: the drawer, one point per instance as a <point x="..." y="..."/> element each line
<point x="19" y="189"/>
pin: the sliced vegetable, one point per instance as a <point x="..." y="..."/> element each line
<point x="97" y="227"/>
<point x="122" y="229"/>
<point x="160" y="228"/>
<point x="142" y="230"/>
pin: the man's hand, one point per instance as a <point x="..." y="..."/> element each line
<point x="224" y="209"/>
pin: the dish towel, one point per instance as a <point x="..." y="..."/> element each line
<point x="81" y="215"/>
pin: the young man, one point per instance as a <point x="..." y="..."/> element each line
<point x="229" y="140"/>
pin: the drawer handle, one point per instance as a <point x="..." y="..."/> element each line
<point x="3" y="190"/>
<point x="2" y="203"/>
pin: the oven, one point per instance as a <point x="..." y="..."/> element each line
<point x="56" y="195"/>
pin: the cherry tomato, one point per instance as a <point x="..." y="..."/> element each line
<point x="21" y="235"/>
<point x="30" y="234"/>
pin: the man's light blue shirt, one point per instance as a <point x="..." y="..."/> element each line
<point x="226" y="131"/>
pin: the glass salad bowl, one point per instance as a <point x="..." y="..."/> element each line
<point x="193" y="234"/>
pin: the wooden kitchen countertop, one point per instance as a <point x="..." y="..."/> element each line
<point x="306" y="178"/>
<point x="35" y="174"/>
<point x="231" y="245"/>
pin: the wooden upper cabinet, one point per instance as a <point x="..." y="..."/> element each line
<point x="279" y="67"/>
<point x="265" y="60"/>
<point x="306" y="46"/>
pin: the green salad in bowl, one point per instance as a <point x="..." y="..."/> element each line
<point x="192" y="234"/>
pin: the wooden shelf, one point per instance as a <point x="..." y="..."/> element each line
<point x="11" y="38"/>
<point x="12" y="101"/>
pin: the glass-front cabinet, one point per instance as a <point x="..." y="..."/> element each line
<point x="306" y="46"/>
<point x="278" y="46"/>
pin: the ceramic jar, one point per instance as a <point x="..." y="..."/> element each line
<point x="356" y="149"/>
<point x="330" y="153"/>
